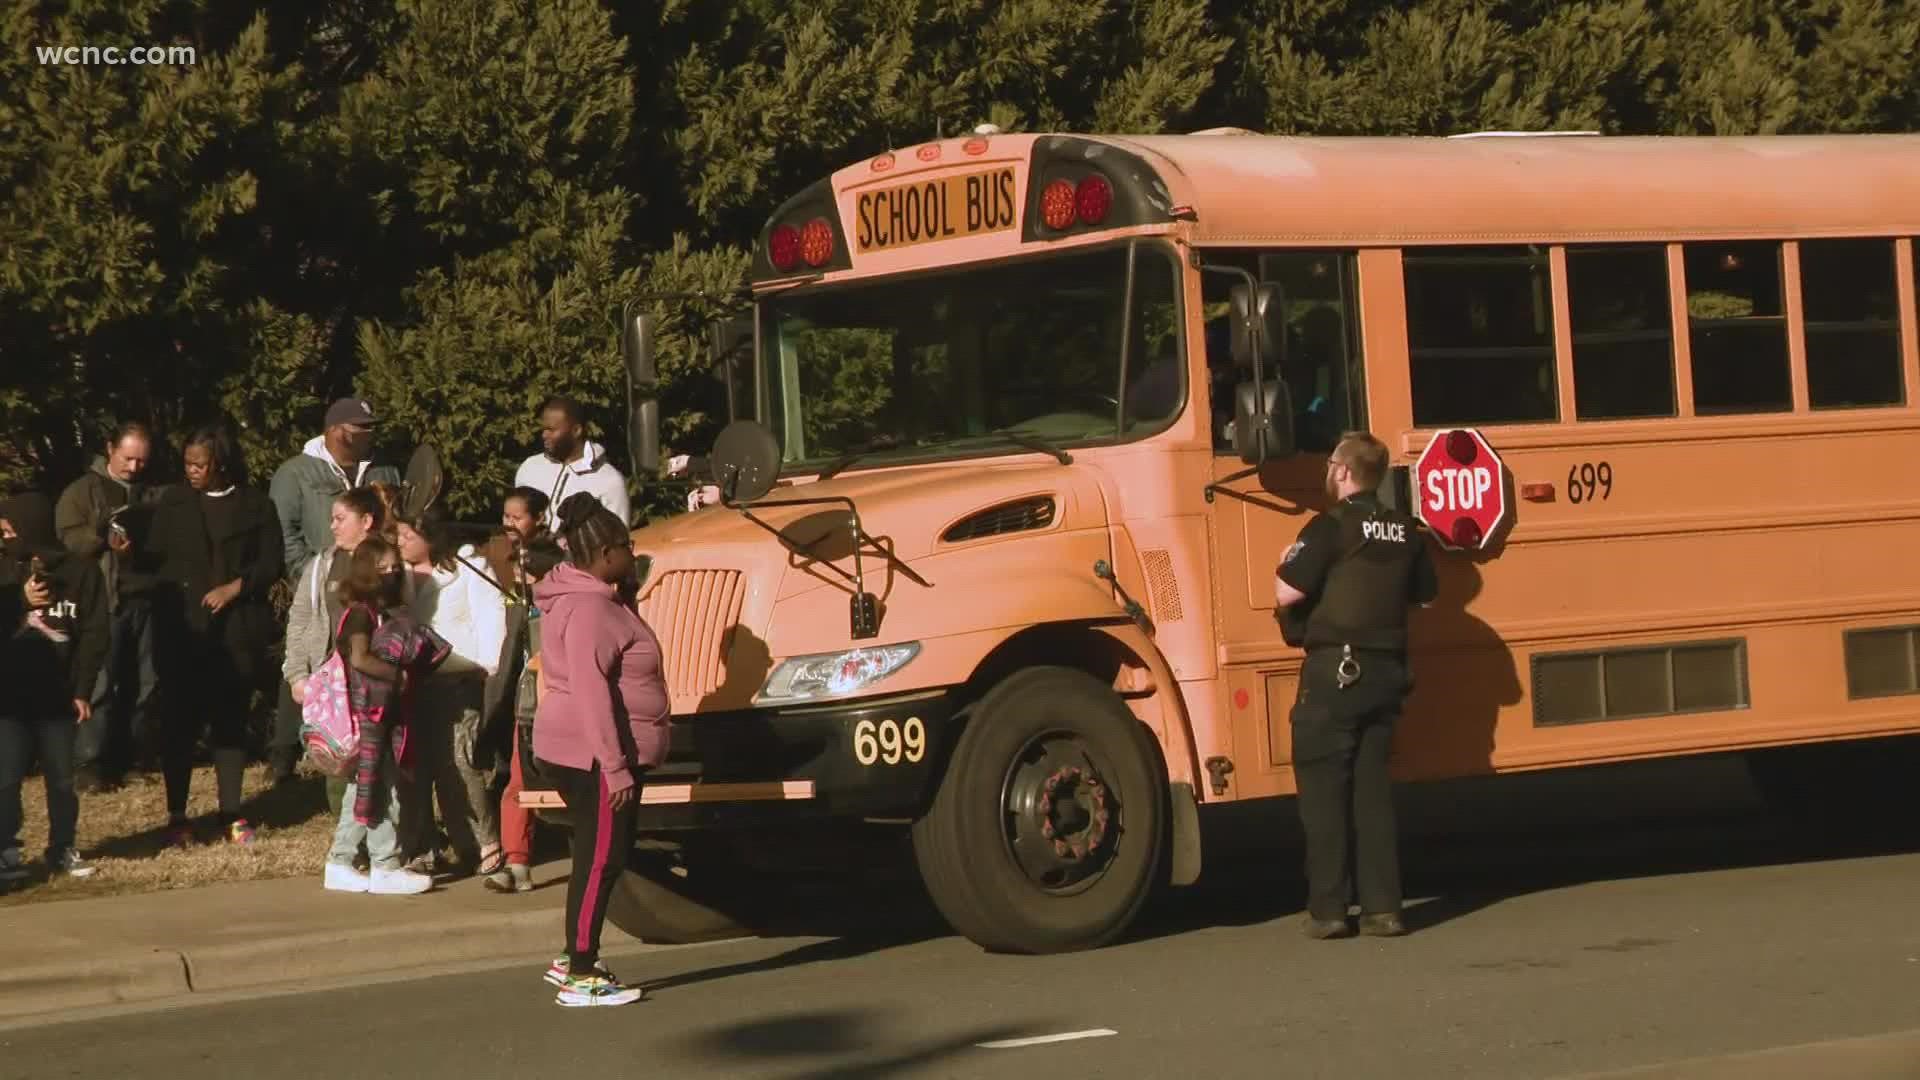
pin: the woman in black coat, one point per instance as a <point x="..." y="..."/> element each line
<point x="217" y="543"/>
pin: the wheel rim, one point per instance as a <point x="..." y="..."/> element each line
<point x="1062" y="814"/>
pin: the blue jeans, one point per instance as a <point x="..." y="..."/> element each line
<point x="121" y="694"/>
<point x="54" y="738"/>
<point x="382" y="837"/>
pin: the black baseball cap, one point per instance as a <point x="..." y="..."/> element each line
<point x="349" y="411"/>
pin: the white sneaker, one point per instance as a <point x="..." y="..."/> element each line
<point x="345" y="878"/>
<point x="398" y="882"/>
<point x="72" y="865"/>
<point x="13" y="865"/>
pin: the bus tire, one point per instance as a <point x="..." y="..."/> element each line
<point x="652" y="903"/>
<point x="1049" y="830"/>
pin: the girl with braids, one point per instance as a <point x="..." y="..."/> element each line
<point x="602" y="721"/>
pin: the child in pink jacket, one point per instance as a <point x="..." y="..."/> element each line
<point x="601" y="722"/>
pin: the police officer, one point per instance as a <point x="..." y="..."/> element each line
<point x="1343" y="591"/>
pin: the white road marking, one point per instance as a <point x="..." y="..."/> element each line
<point x="1065" y="1036"/>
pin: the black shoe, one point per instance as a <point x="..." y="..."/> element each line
<point x="1388" y="925"/>
<point x="1322" y="929"/>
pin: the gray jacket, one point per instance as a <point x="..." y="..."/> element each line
<point x="303" y="490"/>
<point x="81" y="519"/>
<point x="309" y="627"/>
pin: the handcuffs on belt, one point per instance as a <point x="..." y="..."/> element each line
<point x="1348" y="672"/>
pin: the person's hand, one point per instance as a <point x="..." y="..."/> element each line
<point x="118" y="541"/>
<point x="677" y="464"/>
<point x="216" y="600"/>
<point x="299" y="689"/>
<point x="616" y="800"/>
<point x="39" y="593"/>
<point x="703" y="496"/>
<point x="82" y="710"/>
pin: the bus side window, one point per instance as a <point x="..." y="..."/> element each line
<point x="1322" y="366"/>
<point x="1849" y="291"/>
<point x="1622" y="315"/>
<point x="1323" y="371"/>
<point x="1737" y="322"/>
<point x="1480" y="335"/>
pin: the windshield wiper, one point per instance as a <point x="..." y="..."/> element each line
<point x="1035" y="442"/>
<point x="841" y="462"/>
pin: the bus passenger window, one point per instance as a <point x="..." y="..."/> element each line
<point x="1738" y="328"/>
<point x="1480" y="335"/>
<point x="1852" y="311"/>
<point x="1622" y="320"/>
<point x="1321" y="365"/>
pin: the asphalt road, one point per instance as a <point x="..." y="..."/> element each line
<point x="1560" y="930"/>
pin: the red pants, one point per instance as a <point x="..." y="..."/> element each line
<point x="516" y="822"/>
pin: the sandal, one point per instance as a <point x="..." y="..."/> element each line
<point x="490" y="865"/>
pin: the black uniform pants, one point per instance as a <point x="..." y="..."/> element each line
<point x="1340" y="744"/>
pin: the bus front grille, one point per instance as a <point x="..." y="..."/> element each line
<point x="691" y="612"/>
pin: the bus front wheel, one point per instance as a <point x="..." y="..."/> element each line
<point x="1048" y="831"/>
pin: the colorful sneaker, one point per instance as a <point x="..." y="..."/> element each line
<point x="13" y="867"/>
<point x="340" y="878"/>
<point x="397" y="882"/>
<point x="558" y="971"/>
<point x="71" y="864"/>
<point x="596" y="989"/>
<point x="240" y="831"/>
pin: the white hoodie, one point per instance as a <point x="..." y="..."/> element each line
<point x="467" y="611"/>
<point x="317" y="448"/>
<point x="592" y="474"/>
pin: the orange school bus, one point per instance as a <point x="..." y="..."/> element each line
<point x="1034" y="419"/>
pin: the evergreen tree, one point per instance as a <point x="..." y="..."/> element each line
<point x="446" y="204"/>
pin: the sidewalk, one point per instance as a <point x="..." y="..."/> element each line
<point x="151" y="946"/>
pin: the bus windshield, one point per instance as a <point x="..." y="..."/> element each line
<point x="976" y="361"/>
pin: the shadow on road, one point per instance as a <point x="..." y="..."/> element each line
<point x="1467" y="845"/>
<point x="832" y="1042"/>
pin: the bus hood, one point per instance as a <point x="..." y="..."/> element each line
<point x="716" y="575"/>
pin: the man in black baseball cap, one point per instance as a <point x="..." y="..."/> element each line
<point x="303" y="490"/>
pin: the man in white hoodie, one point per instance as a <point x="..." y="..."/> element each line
<point x="304" y="486"/>
<point x="303" y="490"/>
<point x="571" y="463"/>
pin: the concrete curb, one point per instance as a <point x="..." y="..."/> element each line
<point x="114" y="978"/>
<point x="148" y="975"/>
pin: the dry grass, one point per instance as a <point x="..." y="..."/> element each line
<point x="122" y="831"/>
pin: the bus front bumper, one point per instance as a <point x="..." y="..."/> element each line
<point x="871" y="759"/>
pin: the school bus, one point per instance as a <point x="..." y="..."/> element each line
<point x="1032" y="419"/>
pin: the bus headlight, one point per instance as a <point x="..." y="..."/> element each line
<point x="830" y="675"/>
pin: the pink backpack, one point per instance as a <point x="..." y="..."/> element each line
<point x="327" y="724"/>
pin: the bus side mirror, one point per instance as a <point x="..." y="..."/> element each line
<point x="1259" y="327"/>
<point x="746" y="462"/>
<point x="1262" y="429"/>
<point x="643" y="379"/>
<point x="1262" y="409"/>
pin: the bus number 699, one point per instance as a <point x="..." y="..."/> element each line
<point x="1587" y="482"/>
<point x="889" y="741"/>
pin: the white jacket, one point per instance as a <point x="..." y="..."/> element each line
<point x="592" y="474"/>
<point x="468" y="612"/>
